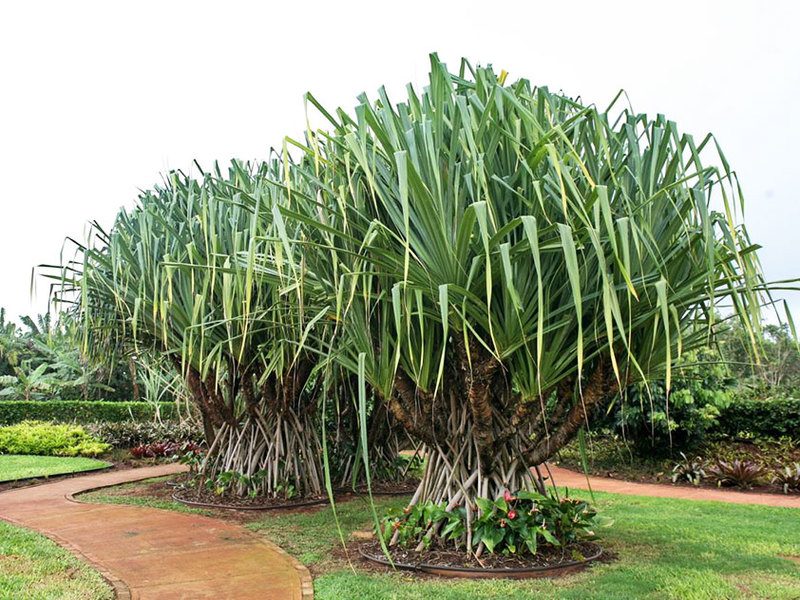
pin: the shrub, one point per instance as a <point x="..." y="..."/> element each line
<point x="129" y="434"/>
<point x="657" y="424"/>
<point x="788" y="478"/>
<point x="165" y="449"/>
<point x="742" y="473"/>
<point x="81" y="412"/>
<point x="773" y="418"/>
<point x="48" y="439"/>
<point x="689" y="470"/>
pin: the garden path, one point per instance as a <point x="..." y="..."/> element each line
<point x="147" y="553"/>
<point x="571" y="479"/>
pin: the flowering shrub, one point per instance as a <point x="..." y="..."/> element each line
<point x="513" y="524"/>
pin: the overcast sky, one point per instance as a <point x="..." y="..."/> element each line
<point x="98" y="99"/>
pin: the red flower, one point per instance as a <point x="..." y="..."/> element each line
<point x="512" y="514"/>
<point x="508" y="497"/>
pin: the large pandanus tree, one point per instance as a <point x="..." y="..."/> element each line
<point x="176" y="276"/>
<point x="503" y="259"/>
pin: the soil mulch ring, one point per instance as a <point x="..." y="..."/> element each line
<point x="404" y="488"/>
<point x="204" y="499"/>
<point x="548" y="562"/>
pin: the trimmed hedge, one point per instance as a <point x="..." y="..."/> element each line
<point x="49" y="439"/>
<point x="60" y="411"/>
<point x="766" y="418"/>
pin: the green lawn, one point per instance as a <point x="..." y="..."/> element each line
<point x="13" y="467"/>
<point x="34" y="568"/>
<point x="665" y="548"/>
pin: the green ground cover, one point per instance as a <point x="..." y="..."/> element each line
<point x="13" y="467"/>
<point x="35" y="568"/>
<point x="665" y="548"/>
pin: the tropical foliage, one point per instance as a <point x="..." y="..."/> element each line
<point x="512" y="524"/>
<point x="48" y="439"/>
<point x="775" y="374"/>
<point x="503" y="259"/>
<point x="481" y="266"/>
<point x="176" y="278"/>
<point x="41" y="361"/>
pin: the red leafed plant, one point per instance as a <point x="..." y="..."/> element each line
<point x="742" y="473"/>
<point x="164" y="449"/>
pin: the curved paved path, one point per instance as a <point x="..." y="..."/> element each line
<point x="571" y="479"/>
<point x="147" y="553"/>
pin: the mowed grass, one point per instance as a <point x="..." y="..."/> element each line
<point x="664" y="548"/>
<point x="34" y="568"/>
<point x="13" y="466"/>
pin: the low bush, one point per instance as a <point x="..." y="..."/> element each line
<point x="16" y="411"/>
<point x="690" y="471"/>
<point x="130" y="434"/>
<point x="776" y="417"/>
<point x="48" y="439"/>
<point x="788" y="478"/>
<point x="165" y="450"/>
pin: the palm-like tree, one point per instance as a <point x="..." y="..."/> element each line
<point x="176" y="277"/>
<point x="502" y="259"/>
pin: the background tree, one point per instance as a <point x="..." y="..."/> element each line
<point x="41" y="360"/>
<point x="175" y="278"/>
<point x="775" y="372"/>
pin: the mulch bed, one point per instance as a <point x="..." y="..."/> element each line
<point x="550" y="561"/>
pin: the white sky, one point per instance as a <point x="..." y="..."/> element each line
<point x="97" y="99"/>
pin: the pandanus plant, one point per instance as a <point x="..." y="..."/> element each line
<point x="501" y="260"/>
<point x="176" y="277"/>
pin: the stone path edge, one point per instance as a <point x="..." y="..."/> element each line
<point x="119" y="587"/>
<point x="563" y="477"/>
<point x="56" y="477"/>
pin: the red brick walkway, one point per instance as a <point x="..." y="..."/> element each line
<point x="571" y="479"/>
<point x="147" y="553"/>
